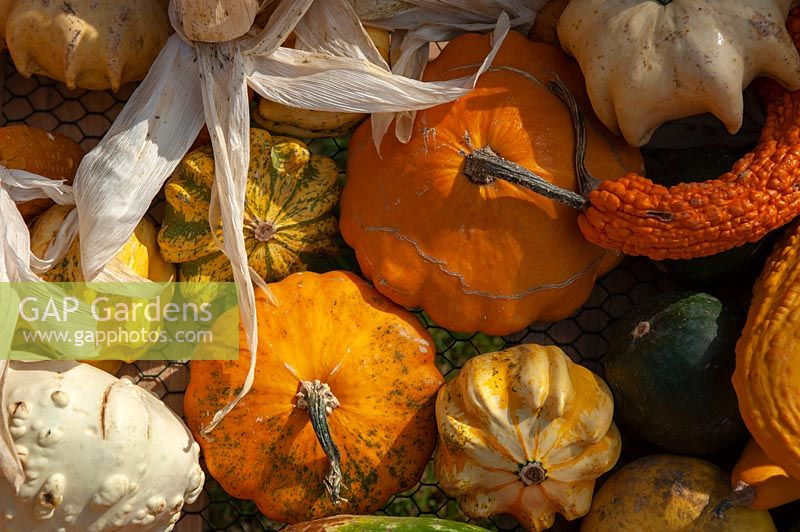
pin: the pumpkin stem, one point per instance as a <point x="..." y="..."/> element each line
<point x="586" y="181"/>
<point x="533" y="473"/>
<point x="742" y="495"/>
<point x="318" y="399"/>
<point x="483" y="166"/>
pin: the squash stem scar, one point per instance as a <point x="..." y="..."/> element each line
<point x="533" y="473"/>
<point x="264" y="231"/>
<point x="318" y="399"/>
<point x="742" y="495"/>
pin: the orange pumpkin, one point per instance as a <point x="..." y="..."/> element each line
<point x="341" y="413"/>
<point x="434" y="227"/>
<point x="38" y="151"/>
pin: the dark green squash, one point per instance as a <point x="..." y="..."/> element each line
<point x="669" y="167"/>
<point x="669" y="365"/>
<point x="379" y="523"/>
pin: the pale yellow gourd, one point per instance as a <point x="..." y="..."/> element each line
<point x="87" y="44"/>
<point x="647" y="62"/>
<point x="524" y="431"/>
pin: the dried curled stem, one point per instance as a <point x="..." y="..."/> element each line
<point x="318" y="399"/>
<point x="742" y="495"/>
<point x="483" y="165"/>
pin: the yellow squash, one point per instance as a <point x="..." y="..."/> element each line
<point x="85" y="43"/>
<point x="288" y="216"/>
<point x="668" y="493"/>
<point x="525" y="431"/>
<point x="140" y="253"/>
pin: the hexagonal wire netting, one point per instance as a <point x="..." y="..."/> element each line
<point x="85" y="116"/>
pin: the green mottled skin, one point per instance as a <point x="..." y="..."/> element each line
<point x="669" y="365"/>
<point x="288" y="187"/>
<point x="368" y="523"/>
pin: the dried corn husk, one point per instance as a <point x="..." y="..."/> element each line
<point x="417" y="23"/>
<point x="335" y="67"/>
<point x="18" y="264"/>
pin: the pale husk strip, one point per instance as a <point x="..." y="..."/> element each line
<point x="336" y="31"/>
<point x="343" y="84"/>
<point x="117" y="180"/>
<point x="227" y="113"/>
<point x="404" y="120"/>
<point x="417" y="23"/>
<point x="25" y="186"/>
<point x="280" y="25"/>
<point x="15" y="266"/>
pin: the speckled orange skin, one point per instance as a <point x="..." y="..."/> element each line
<point x="767" y="375"/>
<point x="265" y="449"/>
<point x="40" y="152"/>
<point x="493" y="257"/>
<point x="773" y="486"/>
<point x="760" y="193"/>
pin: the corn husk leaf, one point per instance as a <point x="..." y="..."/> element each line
<point x="332" y="27"/>
<point x="418" y="23"/>
<point x="17" y="264"/>
<point x="117" y="180"/>
<point x="227" y="112"/>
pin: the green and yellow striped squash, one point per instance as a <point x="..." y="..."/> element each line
<point x="289" y="211"/>
<point x="381" y="523"/>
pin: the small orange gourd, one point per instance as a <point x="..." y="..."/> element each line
<point x="341" y="413"/>
<point x="767" y="375"/>
<point x="434" y="227"/>
<point x="760" y="483"/>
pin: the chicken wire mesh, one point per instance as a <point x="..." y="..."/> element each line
<point x="86" y="115"/>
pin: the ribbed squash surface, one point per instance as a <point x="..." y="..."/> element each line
<point x="767" y="376"/>
<point x="289" y="203"/>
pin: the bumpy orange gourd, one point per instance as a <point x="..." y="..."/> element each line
<point x="40" y="152"/>
<point x="760" y="193"/>
<point x="335" y="351"/>
<point x="759" y="482"/>
<point x="525" y="431"/>
<point x="767" y="375"/>
<point x="478" y="253"/>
